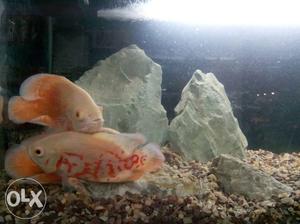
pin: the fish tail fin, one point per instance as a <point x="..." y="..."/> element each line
<point x="21" y="111"/>
<point x="153" y="150"/>
<point x="155" y="158"/>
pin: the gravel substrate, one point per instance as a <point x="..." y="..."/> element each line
<point x="212" y="207"/>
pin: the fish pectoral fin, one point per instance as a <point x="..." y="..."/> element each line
<point x="75" y="183"/>
<point x="43" y="120"/>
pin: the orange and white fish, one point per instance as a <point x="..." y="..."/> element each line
<point x="100" y="157"/>
<point x="55" y="101"/>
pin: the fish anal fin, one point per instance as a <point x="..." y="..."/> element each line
<point x="73" y="183"/>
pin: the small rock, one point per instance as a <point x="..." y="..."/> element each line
<point x="103" y="218"/>
<point x="8" y="218"/>
<point x="180" y="215"/>
<point x="297" y="183"/>
<point x="268" y="204"/>
<point x="148" y="202"/>
<point x="297" y="193"/>
<point x="288" y="201"/>
<point x="212" y="177"/>
<point x="187" y="220"/>
<point x="238" y="177"/>
<point x="284" y="195"/>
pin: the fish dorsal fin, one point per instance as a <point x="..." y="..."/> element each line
<point x="38" y="85"/>
<point x="128" y="142"/>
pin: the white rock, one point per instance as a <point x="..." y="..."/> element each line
<point x="128" y="85"/>
<point x="205" y="126"/>
<point x="238" y="177"/>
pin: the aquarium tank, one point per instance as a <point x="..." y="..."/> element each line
<point x="150" y="111"/>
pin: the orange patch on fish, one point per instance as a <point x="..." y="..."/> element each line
<point x="19" y="164"/>
<point x="56" y="102"/>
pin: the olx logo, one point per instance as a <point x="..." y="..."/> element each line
<point x="25" y="201"/>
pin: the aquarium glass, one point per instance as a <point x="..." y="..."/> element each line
<point x="178" y="102"/>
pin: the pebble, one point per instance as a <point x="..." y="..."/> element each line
<point x="212" y="177"/>
<point x="288" y="201"/>
<point x="284" y="195"/>
<point x="187" y="220"/>
<point x="148" y="202"/>
<point x="268" y="204"/>
<point x="297" y="183"/>
<point x="8" y="218"/>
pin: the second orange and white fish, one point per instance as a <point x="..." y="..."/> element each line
<point x="56" y="102"/>
<point x="100" y="157"/>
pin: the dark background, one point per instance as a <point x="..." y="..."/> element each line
<point x="67" y="38"/>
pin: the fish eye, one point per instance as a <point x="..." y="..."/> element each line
<point x="78" y="114"/>
<point x="38" y="151"/>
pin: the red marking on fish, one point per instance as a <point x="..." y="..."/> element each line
<point x="119" y="168"/>
<point x="129" y="163"/>
<point x="111" y="170"/>
<point x="97" y="168"/>
<point x="58" y="163"/>
<point x="135" y="158"/>
<point x="69" y="165"/>
<point x="66" y="159"/>
<point x="86" y="170"/>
